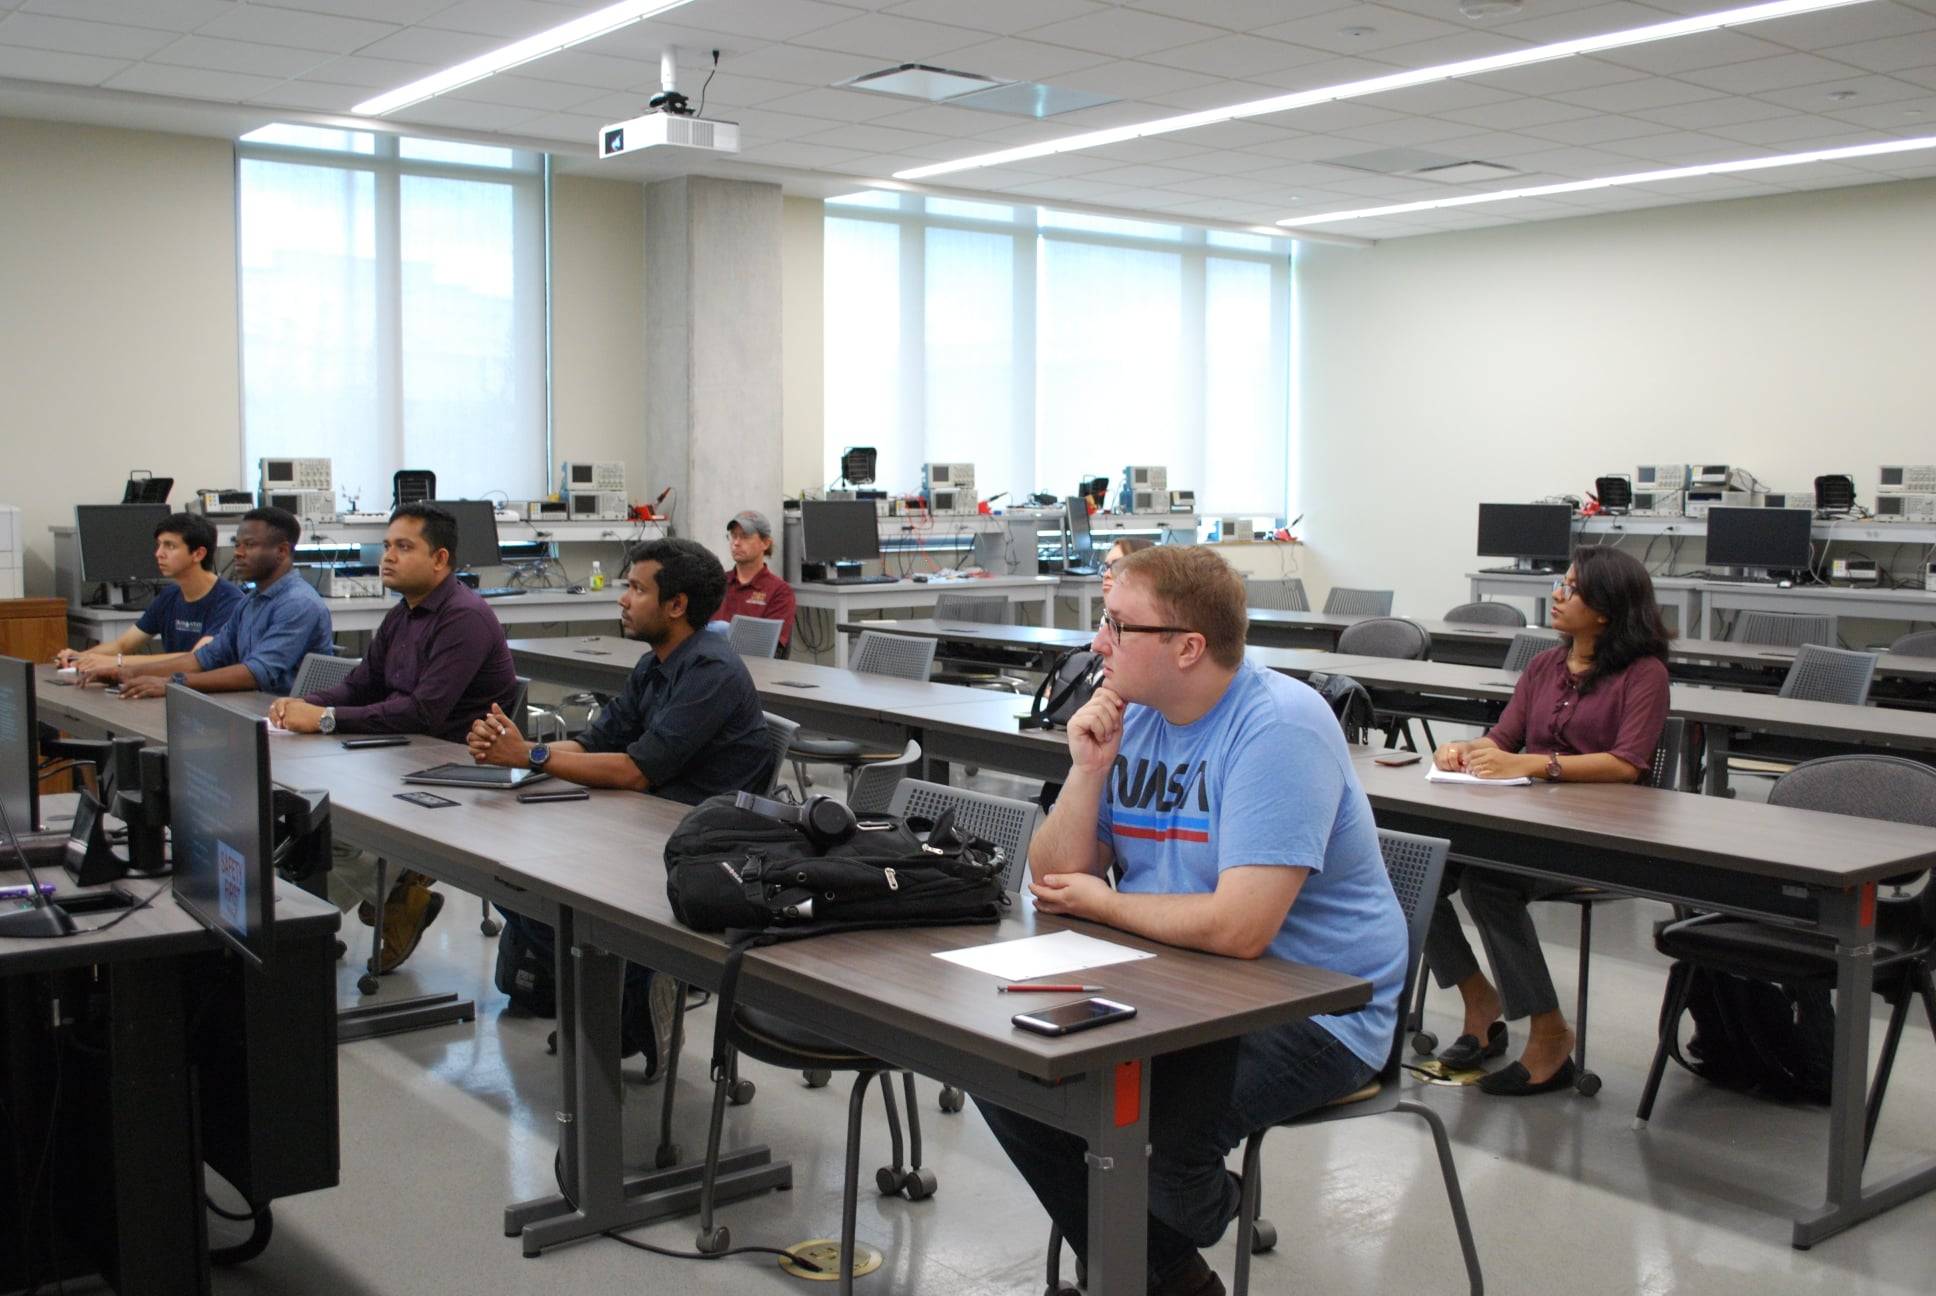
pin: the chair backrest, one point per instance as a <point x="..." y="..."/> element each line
<point x="754" y="636"/>
<point x="780" y="733"/>
<point x="1285" y="594"/>
<point x="1526" y="645"/>
<point x="1416" y="866"/>
<point x="1666" y="768"/>
<point x="1357" y="602"/>
<point x="1829" y="675"/>
<point x="982" y="609"/>
<point x="1919" y="643"/>
<point x="1869" y="787"/>
<point x="1504" y="614"/>
<point x="901" y="656"/>
<point x="1783" y="629"/>
<point x="874" y="782"/>
<point x="317" y="671"/>
<point x="1007" y="822"/>
<point x="1386" y="637"/>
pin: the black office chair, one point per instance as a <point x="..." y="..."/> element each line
<point x="1783" y="629"/>
<point x="318" y="671"/>
<point x="1290" y="595"/>
<point x="1818" y="674"/>
<point x="1500" y="614"/>
<point x="754" y="636"/>
<point x="1869" y="787"/>
<point x="1357" y="602"/>
<point x="876" y="653"/>
<point x="1919" y="643"/>
<point x="1396" y="639"/>
<point x="1416" y="865"/>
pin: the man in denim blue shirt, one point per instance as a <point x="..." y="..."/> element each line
<point x="1224" y="793"/>
<point x="266" y="639"/>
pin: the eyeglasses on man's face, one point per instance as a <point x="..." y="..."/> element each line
<point x="1116" y="629"/>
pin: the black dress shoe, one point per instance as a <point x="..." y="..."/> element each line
<point x="1465" y="1053"/>
<point x="1516" y="1081"/>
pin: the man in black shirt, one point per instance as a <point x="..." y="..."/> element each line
<point x="688" y="726"/>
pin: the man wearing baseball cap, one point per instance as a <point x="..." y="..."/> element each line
<point x="752" y="588"/>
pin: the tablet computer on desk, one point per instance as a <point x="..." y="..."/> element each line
<point x="475" y="776"/>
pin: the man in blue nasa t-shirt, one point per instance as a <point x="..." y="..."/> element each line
<point x="1225" y="793"/>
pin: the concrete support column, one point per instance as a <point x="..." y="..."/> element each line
<point x="712" y="350"/>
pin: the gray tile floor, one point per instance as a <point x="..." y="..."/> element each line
<point x="442" y="1128"/>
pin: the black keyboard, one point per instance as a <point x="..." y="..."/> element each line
<point x="1076" y="569"/>
<point x="502" y="591"/>
<point x="859" y="580"/>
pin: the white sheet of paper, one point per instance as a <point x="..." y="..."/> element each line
<point x="1040" y="956"/>
<point x="1433" y="774"/>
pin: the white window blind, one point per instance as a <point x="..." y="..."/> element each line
<point x="1046" y="347"/>
<point x="393" y="310"/>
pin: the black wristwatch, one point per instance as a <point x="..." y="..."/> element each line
<point x="179" y="677"/>
<point x="539" y="755"/>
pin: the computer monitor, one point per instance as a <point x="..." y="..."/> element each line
<point x="839" y="531"/>
<point x="118" y="541"/>
<point x="1532" y="533"/>
<point x="1082" y="541"/>
<point x="476" y="532"/>
<point x="1776" y="539"/>
<point x="219" y="814"/>
<point x="19" y="756"/>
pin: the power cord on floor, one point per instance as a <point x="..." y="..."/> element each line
<point x="670" y="1254"/>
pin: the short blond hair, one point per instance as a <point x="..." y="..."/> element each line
<point x="1197" y="589"/>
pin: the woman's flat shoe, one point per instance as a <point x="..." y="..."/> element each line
<point x="1516" y="1082"/>
<point x="1465" y="1053"/>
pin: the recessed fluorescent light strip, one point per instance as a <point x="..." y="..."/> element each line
<point x="1381" y="84"/>
<point x="1609" y="182"/>
<point x="563" y="36"/>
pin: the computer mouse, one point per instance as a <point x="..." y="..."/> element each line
<point x="574" y="589"/>
<point x="921" y="579"/>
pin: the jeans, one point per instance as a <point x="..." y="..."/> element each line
<point x="1203" y="1102"/>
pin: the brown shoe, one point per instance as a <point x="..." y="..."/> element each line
<point x="404" y="919"/>
<point x="366" y="912"/>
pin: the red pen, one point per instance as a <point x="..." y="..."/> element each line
<point x="1048" y="989"/>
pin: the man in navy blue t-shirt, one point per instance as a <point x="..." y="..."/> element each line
<point x="185" y="615"/>
<point x="1225" y="795"/>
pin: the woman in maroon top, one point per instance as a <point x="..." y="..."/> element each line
<point x="1587" y="711"/>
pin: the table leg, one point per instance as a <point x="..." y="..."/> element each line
<point x="1718" y="738"/>
<point x="1119" y="1177"/>
<point x="1851" y="916"/>
<point x="840" y="639"/>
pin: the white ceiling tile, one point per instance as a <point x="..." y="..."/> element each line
<point x="644" y="42"/>
<point x="1625" y="96"/>
<point x="1449" y="49"/>
<point x="301" y="30"/>
<point x="1132" y="79"/>
<point x="104" y="40"/>
<point x="575" y="67"/>
<point x="1066" y="190"/>
<point x="572" y="127"/>
<point x="1513" y="114"/>
<point x="798" y="155"/>
<point x="867" y="138"/>
<point x="402" y="11"/>
<point x="1762" y="75"/>
<point x="1003" y="17"/>
<point x="164" y="15"/>
<point x="1070" y="164"/>
<point x="896" y="40"/>
<point x="1791" y="133"/>
<point x="1013" y="59"/>
<point x="1361" y="29"/>
<point x="515" y="91"/>
<point x="837" y="105"/>
<point x="1835" y="27"/>
<point x="239" y="56"/>
<point x="315" y="96"/>
<point x="1730" y="110"/>
<point x="767" y="20"/>
<point x="461" y="114"/>
<point x="1306" y="177"/>
<point x="425" y="45"/>
<point x="1684" y="148"/>
<point x="53" y="65"/>
<point x="1237" y="15"/>
<point x="1406" y="131"/>
<point x="1493" y="146"/>
<point x="1237" y="56"/>
<point x="1329" y="71"/>
<point x="1595" y="130"/>
<point x="1864" y="91"/>
<point x="800" y="66"/>
<point x="1212" y="94"/>
<point x="1123" y="33"/>
<point x="1160" y="148"/>
<point x="1126" y="112"/>
<point x="1431" y="100"/>
<point x="1395" y="188"/>
<point x="369" y="73"/>
<point x="1545" y="27"/>
<point x="191" y="83"/>
<point x="1688" y="53"/>
<point x="1330" y="116"/>
<point x="1308" y="148"/>
<point x="506" y="19"/>
<point x="618" y="106"/>
<point x="1917" y="116"/>
<point x="1142" y="176"/>
<point x="1919" y="76"/>
<point x="1574" y="163"/>
<point x="939" y="119"/>
<point x="1233" y="135"/>
<point x="1557" y="75"/>
<point x="733" y="91"/>
<point x="762" y="124"/>
<point x="1892" y="55"/>
<point x="1224" y="186"/>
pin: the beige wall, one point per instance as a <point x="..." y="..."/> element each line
<point x="1792" y="335"/>
<point x="118" y="346"/>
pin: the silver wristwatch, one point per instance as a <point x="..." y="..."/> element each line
<point x="328" y="723"/>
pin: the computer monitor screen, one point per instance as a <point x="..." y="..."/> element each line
<point x="1539" y="531"/>
<point x="219" y="819"/>
<point x="118" y="541"/>
<point x="1758" y="537"/>
<point x="1082" y="541"/>
<point x="476" y="533"/>
<point x="839" y="531"/>
<point x="19" y="755"/>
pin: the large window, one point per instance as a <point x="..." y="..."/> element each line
<point x="393" y="310"/>
<point x="1045" y="347"/>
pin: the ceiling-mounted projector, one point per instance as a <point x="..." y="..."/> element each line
<point x="665" y="130"/>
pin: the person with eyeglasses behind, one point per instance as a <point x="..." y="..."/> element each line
<point x="1225" y="794"/>
<point x="1589" y="710"/>
<point x="1122" y="549"/>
